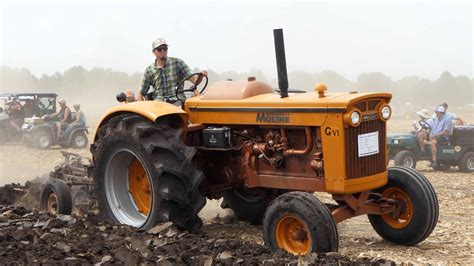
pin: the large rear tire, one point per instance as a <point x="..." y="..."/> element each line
<point x="246" y="206"/>
<point x="144" y="173"/>
<point x="299" y="223"/>
<point x="55" y="197"/>
<point x="417" y="204"/>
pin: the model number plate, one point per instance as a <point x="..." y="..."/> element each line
<point x="368" y="144"/>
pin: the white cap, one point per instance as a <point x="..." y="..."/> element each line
<point x="441" y="109"/>
<point x="158" y="42"/>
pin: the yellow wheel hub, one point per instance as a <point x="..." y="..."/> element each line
<point x="400" y="218"/>
<point x="139" y="187"/>
<point x="52" y="206"/>
<point x="292" y="235"/>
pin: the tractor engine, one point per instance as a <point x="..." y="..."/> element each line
<point x="230" y="157"/>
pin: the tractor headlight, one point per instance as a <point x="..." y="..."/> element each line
<point x="355" y="118"/>
<point x="385" y="112"/>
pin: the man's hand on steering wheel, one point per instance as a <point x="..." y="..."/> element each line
<point x="197" y="78"/>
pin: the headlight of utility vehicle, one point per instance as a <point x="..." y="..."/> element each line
<point x="396" y="141"/>
<point x="385" y="112"/>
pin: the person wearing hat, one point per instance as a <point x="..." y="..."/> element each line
<point x="424" y="115"/>
<point x="164" y="74"/>
<point x="457" y="121"/>
<point x="63" y="115"/>
<point x="80" y="117"/>
<point x="441" y="129"/>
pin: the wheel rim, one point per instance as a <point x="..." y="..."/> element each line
<point x="403" y="215"/>
<point x="43" y="141"/>
<point x="52" y="203"/>
<point x="80" y="141"/>
<point x="408" y="162"/>
<point x="470" y="163"/>
<point x="128" y="188"/>
<point x="292" y="235"/>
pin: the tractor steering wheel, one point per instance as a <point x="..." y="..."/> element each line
<point x="193" y="87"/>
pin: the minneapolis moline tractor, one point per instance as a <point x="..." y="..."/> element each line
<point x="264" y="153"/>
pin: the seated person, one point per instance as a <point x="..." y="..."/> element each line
<point x="457" y="121"/>
<point x="29" y="108"/>
<point x="17" y="115"/>
<point x="79" y="120"/>
<point x="441" y="129"/>
<point x="424" y="115"/>
<point x="64" y="116"/>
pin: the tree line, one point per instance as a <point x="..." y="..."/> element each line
<point x="102" y="82"/>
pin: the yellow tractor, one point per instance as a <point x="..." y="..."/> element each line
<point x="265" y="154"/>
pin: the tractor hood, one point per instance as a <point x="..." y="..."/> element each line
<point x="257" y="94"/>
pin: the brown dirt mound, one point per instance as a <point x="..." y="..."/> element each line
<point x="32" y="237"/>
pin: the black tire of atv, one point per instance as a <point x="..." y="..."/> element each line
<point x="38" y="139"/>
<point x="81" y="135"/>
<point x="174" y="180"/>
<point x="466" y="162"/>
<point x="405" y="158"/>
<point x="247" y="208"/>
<point x="425" y="207"/>
<point x="318" y="219"/>
<point x="63" y="196"/>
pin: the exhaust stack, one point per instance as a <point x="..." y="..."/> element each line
<point x="281" y="62"/>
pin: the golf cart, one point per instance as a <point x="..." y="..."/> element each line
<point x="404" y="150"/>
<point x="33" y="105"/>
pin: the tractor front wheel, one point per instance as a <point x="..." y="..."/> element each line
<point x="299" y="223"/>
<point x="416" y="211"/>
<point x="144" y="173"/>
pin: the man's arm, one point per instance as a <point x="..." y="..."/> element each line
<point x="144" y="86"/>
<point x="448" y="129"/>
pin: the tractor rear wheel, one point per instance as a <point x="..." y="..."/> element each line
<point x="55" y="197"/>
<point x="405" y="158"/>
<point x="247" y="206"/>
<point x="417" y="207"/>
<point x="299" y="223"/>
<point x="144" y="173"/>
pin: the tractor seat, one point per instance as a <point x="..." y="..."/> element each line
<point x="236" y="90"/>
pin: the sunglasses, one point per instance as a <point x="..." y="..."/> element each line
<point x="159" y="49"/>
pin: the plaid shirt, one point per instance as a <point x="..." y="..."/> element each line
<point x="164" y="79"/>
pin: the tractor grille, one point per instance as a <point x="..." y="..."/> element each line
<point x="368" y="165"/>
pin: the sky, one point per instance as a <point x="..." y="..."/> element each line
<point x="399" y="39"/>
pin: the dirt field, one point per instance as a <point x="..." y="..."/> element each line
<point x="450" y="243"/>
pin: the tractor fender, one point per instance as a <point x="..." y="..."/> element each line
<point x="152" y="110"/>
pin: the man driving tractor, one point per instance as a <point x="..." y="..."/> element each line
<point x="164" y="74"/>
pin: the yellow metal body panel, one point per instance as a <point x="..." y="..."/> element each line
<point x="301" y="109"/>
<point x="149" y="109"/>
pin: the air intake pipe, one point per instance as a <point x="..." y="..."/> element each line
<point x="281" y="62"/>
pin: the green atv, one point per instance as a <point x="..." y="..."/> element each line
<point x="404" y="150"/>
